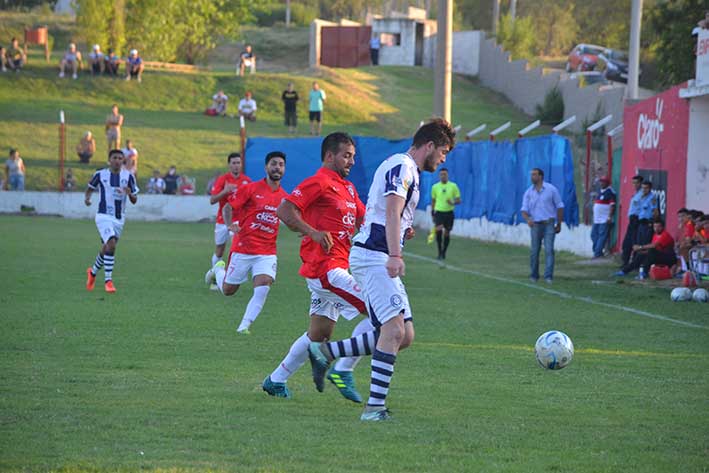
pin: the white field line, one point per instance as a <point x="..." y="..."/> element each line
<point x="563" y="295"/>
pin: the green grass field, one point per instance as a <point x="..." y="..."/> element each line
<point x="154" y="378"/>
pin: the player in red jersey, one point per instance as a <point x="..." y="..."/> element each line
<point x="326" y="210"/>
<point x="223" y="187"/>
<point x="253" y="248"/>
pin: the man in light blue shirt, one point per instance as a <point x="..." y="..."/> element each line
<point x="374" y="45"/>
<point x="631" y="232"/>
<point x="647" y="212"/>
<point x="317" y="97"/>
<point x="543" y="210"/>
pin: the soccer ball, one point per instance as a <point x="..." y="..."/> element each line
<point x="681" y="294"/>
<point x="554" y="350"/>
<point x="700" y="295"/>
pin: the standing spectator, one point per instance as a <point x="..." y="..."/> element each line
<point x="86" y="147"/>
<point x="659" y="251"/>
<point x="186" y="185"/>
<point x="96" y="60"/>
<point x="219" y="103"/>
<point x="247" y="107"/>
<point x="374" y="45"/>
<point x="16" y="57"/>
<point x="3" y="59"/>
<point x="134" y="66"/>
<point x="445" y="195"/>
<point x="69" y="180"/>
<point x="246" y="59"/>
<point x="71" y="59"/>
<point x="171" y="181"/>
<point x="15" y="172"/>
<point x="631" y="232"/>
<point x="111" y="61"/>
<point x="290" y="102"/>
<point x="317" y="97"/>
<point x="114" y="122"/>
<point x="130" y="159"/>
<point x="156" y="184"/>
<point x="647" y="213"/>
<point x="543" y="210"/>
<point x="603" y="208"/>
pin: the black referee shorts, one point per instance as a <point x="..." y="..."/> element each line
<point x="444" y="218"/>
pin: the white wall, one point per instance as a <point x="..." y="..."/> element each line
<point x="148" y="208"/>
<point x="576" y="240"/>
<point x="405" y="53"/>
<point x="698" y="154"/>
<point x="466" y="52"/>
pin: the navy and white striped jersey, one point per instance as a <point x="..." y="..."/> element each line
<point x="397" y="175"/>
<point x="111" y="188"/>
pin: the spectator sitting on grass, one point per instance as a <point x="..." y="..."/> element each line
<point x="134" y="66"/>
<point x="186" y="185"/>
<point x="96" y="60"/>
<point x="15" y="172"/>
<point x="219" y="103"/>
<point x="156" y="184"/>
<point x="246" y="59"/>
<point x="16" y="57"/>
<point x="86" y="147"/>
<point x="247" y="107"/>
<point x="171" y="179"/>
<point x="71" y="59"/>
<point x="659" y="251"/>
<point x="111" y="61"/>
<point x="69" y="180"/>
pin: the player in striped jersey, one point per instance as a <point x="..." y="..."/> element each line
<point x="114" y="186"/>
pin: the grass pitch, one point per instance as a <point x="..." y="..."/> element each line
<point x="154" y="378"/>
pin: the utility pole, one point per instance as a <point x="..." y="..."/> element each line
<point x="513" y="9"/>
<point x="495" y="15"/>
<point x="287" y="13"/>
<point x="444" y="56"/>
<point x="636" y="15"/>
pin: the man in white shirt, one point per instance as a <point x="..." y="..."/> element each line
<point x="156" y="184"/>
<point x="219" y="103"/>
<point x="96" y="60"/>
<point x="247" y="107"/>
<point x="130" y="160"/>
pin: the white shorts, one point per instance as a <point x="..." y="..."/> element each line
<point x="385" y="296"/>
<point x="221" y="234"/>
<point x="240" y="265"/>
<point x="108" y="227"/>
<point x="336" y="294"/>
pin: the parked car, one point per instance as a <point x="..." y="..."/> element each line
<point x="583" y="57"/>
<point x="589" y="77"/>
<point x="614" y="65"/>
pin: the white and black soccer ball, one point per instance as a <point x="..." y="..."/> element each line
<point x="554" y="350"/>
<point x="681" y="294"/>
<point x="700" y="295"/>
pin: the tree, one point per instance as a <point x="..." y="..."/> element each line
<point x="672" y="23"/>
<point x="91" y="19"/>
<point x="518" y="36"/>
<point x="555" y="25"/>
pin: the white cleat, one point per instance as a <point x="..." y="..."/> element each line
<point x="209" y="276"/>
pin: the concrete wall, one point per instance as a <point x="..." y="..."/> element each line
<point x="697" y="154"/>
<point x="466" y="52"/>
<point x="526" y="87"/>
<point x="576" y="240"/>
<point x="315" y="41"/>
<point x="149" y="207"/>
<point x="405" y="53"/>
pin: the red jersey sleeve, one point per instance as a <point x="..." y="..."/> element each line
<point x="218" y="185"/>
<point x="238" y="200"/>
<point x="305" y="193"/>
<point x="689" y="229"/>
<point x="663" y="241"/>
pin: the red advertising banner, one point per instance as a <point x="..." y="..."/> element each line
<point x="655" y="140"/>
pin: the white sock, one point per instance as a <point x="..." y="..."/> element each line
<point x="349" y="363"/>
<point x="297" y="355"/>
<point x="215" y="259"/>
<point x="253" y="309"/>
<point x="220" y="275"/>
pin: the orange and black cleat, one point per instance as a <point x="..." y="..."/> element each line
<point x="90" y="280"/>
<point x="109" y="286"/>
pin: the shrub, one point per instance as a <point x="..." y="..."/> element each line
<point x="551" y="111"/>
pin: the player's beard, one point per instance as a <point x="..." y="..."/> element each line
<point x="275" y="176"/>
<point x="430" y="164"/>
<point x="344" y="172"/>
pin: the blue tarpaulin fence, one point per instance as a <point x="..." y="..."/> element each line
<point x="492" y="175"/>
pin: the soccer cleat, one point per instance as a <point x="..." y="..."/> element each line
<point x="244" y="331"/>
<point x="109" y="286"/>
<point x="344" y="381"/>
<point x="376" y="416"/>
<point x="209" y="276"/>
<point x="213" y="287"/>
<point x="319" y="364"/>
<point x="90" y="280"/>
<point x="431" y="236"/>
<point x="275" y="389"/>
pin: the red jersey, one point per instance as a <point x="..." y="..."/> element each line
<point x="688" y="229"/>
<point x="663" y="241"/>
<point x="328" y="203"/>
<point x="255" y="208"/>
<point x="218" y="186"/>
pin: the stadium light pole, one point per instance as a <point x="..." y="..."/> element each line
<point x="444" y="56"/>
<point x="636" y="15"/>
